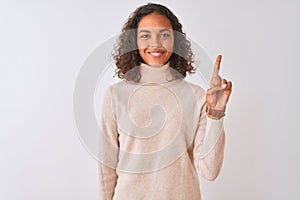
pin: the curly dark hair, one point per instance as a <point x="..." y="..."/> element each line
<point x="126" y="53"/>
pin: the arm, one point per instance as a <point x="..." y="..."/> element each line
<point x="209" y="143"/>
<point x="210" y="137"/>
<point x="108" y="149"/>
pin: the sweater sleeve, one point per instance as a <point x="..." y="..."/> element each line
<point x="209" y="143"/>
<point x="108" y="148"/>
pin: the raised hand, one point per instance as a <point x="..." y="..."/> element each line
<point x="218" y="94"/>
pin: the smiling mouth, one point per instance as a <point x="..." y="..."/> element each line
<point x="156" y="54"/>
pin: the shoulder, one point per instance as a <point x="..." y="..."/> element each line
<point x="198" y="90"/>
<point x="112" y="88"/>
<point x="119" y="89"/>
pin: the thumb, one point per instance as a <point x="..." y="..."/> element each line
<point x="216" y="89"/>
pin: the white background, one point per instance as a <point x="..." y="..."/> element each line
<point x="43" y="45"/>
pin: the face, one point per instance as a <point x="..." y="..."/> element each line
<point x="155" y="39"/>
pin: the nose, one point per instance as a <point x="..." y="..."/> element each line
<point x="155" y="42"/>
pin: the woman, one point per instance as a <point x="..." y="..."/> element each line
<point x="164" y="130"/>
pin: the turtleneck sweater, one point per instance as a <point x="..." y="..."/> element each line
<point x="158" y="138"/>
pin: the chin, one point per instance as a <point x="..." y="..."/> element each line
<point x="155" y="64"/>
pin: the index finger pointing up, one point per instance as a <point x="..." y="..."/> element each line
<point x="217" y="66"/>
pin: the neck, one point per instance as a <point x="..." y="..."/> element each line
<point x="156" y="74"/>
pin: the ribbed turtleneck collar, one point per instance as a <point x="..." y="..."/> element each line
<point x="150" y="74"/>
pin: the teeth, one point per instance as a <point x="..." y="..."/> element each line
<point x="156" y="53"/>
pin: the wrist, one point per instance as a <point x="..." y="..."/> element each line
<point x="214" y="113"/>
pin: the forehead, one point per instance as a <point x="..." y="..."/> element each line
<point x="155" y="20"/>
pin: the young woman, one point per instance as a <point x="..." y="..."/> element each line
<point x="163" y="130"/>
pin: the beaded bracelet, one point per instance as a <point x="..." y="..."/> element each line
<point x="215" y="114"/>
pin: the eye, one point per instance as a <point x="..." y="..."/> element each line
<point x="145" y="36"/>
<point x="164" y="35"/>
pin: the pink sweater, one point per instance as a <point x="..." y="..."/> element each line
<point x="158" y="138"/>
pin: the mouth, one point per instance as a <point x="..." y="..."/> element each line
<point x="156" y="54"/>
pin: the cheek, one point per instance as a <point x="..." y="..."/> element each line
<point x="141" y="52"/>
<point x="169" y="45"/>
<point x="141" y="44"/>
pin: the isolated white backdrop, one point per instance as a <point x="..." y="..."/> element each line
<point x="44" y="43"/>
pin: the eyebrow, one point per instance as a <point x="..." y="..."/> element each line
<point x="144" y="31"/>
<point x="162" y="30"/>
